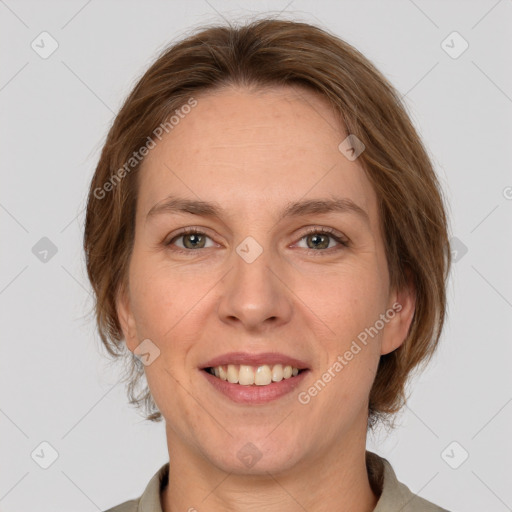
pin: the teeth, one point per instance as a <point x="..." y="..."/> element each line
<point x="263" y="375"/>
<point x="232" y="375"/>
<point x="245" y="375"/>
<point x="260" y="376"/>
<point x="277" y="373"/>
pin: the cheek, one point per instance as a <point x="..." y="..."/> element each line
<point x="154" y="307"/>
<point x="351" y="304"/>
<point x="162" y="297"/>
<point x="348" y="301"/>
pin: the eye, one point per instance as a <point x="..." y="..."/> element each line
<point x="320" y="239"/>
<point x="192" y="239"/>
<point x="317" y="240"/>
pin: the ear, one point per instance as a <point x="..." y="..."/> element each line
<point x="126" y="319"/>
<point x="403" y="303"/>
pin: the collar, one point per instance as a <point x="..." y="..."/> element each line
<point x="393" y="495"/>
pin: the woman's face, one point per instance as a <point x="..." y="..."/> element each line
<point x="261" y="284"/>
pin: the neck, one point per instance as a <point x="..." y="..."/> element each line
<point x="334" y="480"/>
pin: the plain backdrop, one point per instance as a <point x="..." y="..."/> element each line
<point x="452" y="444"/>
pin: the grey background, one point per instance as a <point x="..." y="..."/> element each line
<point x="57" y="385"/>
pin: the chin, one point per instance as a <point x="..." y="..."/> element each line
<point x="243" y="457"/>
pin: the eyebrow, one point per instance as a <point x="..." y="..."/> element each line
<point x="178" y="205"/>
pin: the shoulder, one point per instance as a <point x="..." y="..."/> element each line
<point x="414" y="503"/>
<point x="149" y="501"/>
<point x="127" y="506"/>
<point x="394" y="495"/>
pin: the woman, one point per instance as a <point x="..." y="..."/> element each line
<point x="266" y="236"/>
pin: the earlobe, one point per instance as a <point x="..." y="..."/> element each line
<point x="401" y="312"/>
<point x="125" y="317"/>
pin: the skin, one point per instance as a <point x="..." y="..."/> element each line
<point x="253" y="152"/>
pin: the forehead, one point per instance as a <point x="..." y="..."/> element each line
<point x="254" y="151"/>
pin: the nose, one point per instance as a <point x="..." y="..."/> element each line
<point x="254" y="295"/>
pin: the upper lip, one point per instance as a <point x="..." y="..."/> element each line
<point x="248" y="359"/>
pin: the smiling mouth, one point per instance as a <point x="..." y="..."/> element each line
<point x="247" y="375"/>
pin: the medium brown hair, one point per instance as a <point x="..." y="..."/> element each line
<point x="260" y="54"/>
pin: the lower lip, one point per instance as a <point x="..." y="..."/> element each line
<point x="255" y="394"/>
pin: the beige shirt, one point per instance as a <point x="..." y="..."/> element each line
<point x="394" y="496"/>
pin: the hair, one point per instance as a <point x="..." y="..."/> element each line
<point x="272" y="53"/>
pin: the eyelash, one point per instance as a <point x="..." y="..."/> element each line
<point x="310" y="231"/>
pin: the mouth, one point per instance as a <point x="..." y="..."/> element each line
<point x="248" y="375"/>
<point x="254" y="378"/>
